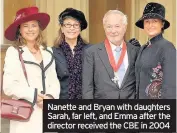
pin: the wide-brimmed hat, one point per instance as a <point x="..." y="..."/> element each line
<point x="153" y="10"/>
<point x="76" y="14"/>
<point x="24" y="15"/>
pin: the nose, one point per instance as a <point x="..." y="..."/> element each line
<point x="29" y="28"/>
<point x="150" y="24"/>
<point x="113" y="31"/>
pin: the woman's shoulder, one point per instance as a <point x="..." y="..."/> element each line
<point x="11" y="50"/>
<point x="166" y="44"/>
<point x="87" y="45"/>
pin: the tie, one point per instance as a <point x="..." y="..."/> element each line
<point x="121" y="71"/>
<point x="117" y="53"/>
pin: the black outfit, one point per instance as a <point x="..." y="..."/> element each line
<point x="69" y="69"/>
<point x="155" y="70"/>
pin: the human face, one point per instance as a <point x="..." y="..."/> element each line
<point x="153" y="27"/>
<point x="30" y="30"/>
<point x="115" y="28"/>
<point x="71" y="29"/>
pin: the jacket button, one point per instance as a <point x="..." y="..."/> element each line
<point x="65" y="72"/>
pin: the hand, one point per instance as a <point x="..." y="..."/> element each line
<point x="134" y="42"/>
<point x="40" y="104"/>
<point x="48" y="97"/>
<point x="40" y="97"/>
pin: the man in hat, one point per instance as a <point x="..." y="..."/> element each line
<point x="108" y="71"/>
<point x="156" y="62"/>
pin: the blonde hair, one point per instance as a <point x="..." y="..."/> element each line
<point x="21" y="41"/>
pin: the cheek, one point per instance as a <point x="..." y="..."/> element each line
<point x="108" y="32"/>
<point x="78" y="32"/>
<point x="22" y="31"/>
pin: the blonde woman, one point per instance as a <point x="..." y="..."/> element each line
<point x="26" y="32"/>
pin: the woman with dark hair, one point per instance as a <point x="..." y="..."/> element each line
<point x="156" y="63"/>
<point x="68" y="53"/>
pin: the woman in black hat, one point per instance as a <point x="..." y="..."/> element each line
<point x="156" y="63"/>
<point x="68" y="52"/>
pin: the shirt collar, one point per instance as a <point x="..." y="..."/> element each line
<point x="113" y="47"/>
<point x="154" y="39"/>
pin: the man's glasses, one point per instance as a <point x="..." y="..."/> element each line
<point x="76" y="26"/>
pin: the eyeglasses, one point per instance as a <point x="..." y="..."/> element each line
<point x="76" y="26"/>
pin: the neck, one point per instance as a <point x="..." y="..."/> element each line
<point x="117" y="43"/>
<point x="31" y="45"/>
<point x="72" y="42"/>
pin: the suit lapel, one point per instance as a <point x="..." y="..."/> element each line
<point x="104" y="58"/>
<point x="27" y="56"/>
<point x="30" y="59"/>
<point x="129" y="50"/>
<point x="62" y="59"/>
<point x="47" y="57"/>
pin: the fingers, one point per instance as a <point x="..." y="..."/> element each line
<point x="40" y="104"/>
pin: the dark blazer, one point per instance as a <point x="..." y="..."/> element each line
<point x="156" y="63"/>
<point x="62" y="70"/>
<point x="98" y="74"/>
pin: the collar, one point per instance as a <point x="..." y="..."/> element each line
<point x="156" y="38"/>
<point x="113" y="47"/>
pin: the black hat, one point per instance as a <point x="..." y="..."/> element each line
<point x="76" y="14"/>
<point x="153" y="10"/>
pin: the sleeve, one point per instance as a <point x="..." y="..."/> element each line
<point x="87" y="76"/>
<point x="13" y="83"/>
<point x="54" y="84"/>
<point x="169" y="73"/>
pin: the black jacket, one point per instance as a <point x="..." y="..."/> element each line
<point x="156" y="70"/>
<point x="62" y="70"/>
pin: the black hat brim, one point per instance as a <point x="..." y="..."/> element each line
<point x="140" y="22"/>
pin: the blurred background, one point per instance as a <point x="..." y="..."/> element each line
<point x="94" y="11"/>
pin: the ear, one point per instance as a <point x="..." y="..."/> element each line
<point x="125" y="28"/>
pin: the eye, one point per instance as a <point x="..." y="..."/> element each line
<point x="34" y="25"/>
<point x="155" y="20"/>
<point x="108" y="26"/>
<point x="68" y="24"/>
<point x="25" y="25"/>
<point x="76" y="25"/>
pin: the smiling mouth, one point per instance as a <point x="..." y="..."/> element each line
<point x="30" y="34"/>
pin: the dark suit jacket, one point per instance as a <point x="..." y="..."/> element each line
<point x="160" y="53"/>
<point x="62" y="70"/>
<point x="98" y="74"/>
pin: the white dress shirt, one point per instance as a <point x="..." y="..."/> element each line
<point x="125" y="60"/>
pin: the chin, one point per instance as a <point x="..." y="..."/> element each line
<point x="152" y="35"/>
<point x="31" y="39"/>
<point x="71" y="38"/>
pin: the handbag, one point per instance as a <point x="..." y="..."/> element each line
<point x="12" y="109"/>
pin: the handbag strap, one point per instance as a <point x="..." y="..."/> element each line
<point x="23" y="65"/>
